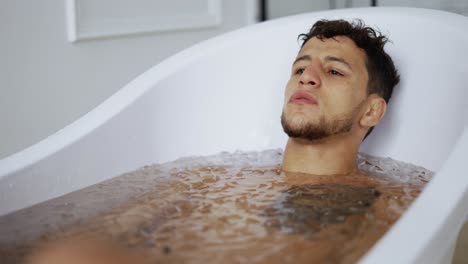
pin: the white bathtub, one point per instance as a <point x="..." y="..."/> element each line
<point x="226" y="94"/>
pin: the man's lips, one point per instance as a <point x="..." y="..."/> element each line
<point x="301" y="97"/>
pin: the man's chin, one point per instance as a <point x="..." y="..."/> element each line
<point x="295" y="128"/>
<point x="298" y="122"/>
<point x="299" y="127"/>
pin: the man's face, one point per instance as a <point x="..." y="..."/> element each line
<point x="326" y="90"/>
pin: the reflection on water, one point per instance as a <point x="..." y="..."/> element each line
<point x="234" y="208"/>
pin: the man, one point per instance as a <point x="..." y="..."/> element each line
<point x="339" y="88"/>
<point x="340" y="84"/>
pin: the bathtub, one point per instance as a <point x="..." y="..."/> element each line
<point x="226" y="94"/>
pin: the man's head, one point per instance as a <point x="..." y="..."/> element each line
<point x="340" y="83"/>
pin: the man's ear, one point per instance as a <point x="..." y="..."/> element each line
<point x="374" y="112"/>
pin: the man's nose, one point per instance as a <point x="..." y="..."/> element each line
<point x="310" y="77"/>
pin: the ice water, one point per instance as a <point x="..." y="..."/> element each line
<point x="228" y="208"/>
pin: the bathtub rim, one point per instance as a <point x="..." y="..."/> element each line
<point x="140" y="85"/>
<point x="412" y="231"/>
<point x="114" y="104"/>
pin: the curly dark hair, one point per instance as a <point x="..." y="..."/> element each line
<point x="383" y="75"/>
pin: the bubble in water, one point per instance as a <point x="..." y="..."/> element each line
<point x="233" y="207"/>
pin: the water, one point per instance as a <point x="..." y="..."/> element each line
<point x="231" y="208"/>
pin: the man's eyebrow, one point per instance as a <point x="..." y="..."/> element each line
<point x="327" y="58"/>
<point x="302" y="58"/>
<point x="341" y="60"/>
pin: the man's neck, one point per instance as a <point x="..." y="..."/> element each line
<point x="330" y="156"/>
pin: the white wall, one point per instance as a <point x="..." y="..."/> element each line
<point x="280" y="8"/>
<point x="46" y="82"/>
<point x="454" y="6"/>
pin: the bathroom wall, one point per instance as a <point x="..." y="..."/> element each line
<point x="47" y="82"/>
<point x="280" y="8"/>
<point x="455" y="6"/>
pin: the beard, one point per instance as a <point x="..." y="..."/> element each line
<point x="315" y="131"/>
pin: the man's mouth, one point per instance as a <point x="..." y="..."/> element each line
<point x="301" y="97"/>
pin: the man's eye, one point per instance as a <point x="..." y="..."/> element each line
<point x="335" y="72"/>
<point x="299" y="71"/>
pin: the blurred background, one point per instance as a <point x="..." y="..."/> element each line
<point x="62" y="58"/>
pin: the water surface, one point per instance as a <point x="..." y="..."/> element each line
<point x="230" y="208"/>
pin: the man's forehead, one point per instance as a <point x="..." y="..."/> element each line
<point x="338" y="43"/>
<point x="338" y="46"/>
